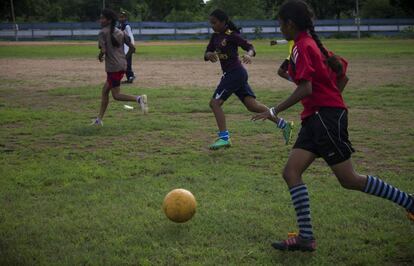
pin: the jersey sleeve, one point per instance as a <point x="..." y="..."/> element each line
<point x="304" y="65"/>
<point x="210" y="47"/>
<point x="130" y="34"/>
<point x="127" y="39"/>
<point x="241" y="42"/>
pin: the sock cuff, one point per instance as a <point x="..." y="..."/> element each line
<point x="297" y="188"/>
<point x="224" y="133"/>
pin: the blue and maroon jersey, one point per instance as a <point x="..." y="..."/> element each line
<point x="226" y="45"/>
<point x="308" y="63"/>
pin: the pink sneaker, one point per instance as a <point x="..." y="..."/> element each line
<point x="295" y="242"/>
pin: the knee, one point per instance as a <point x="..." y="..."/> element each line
<point x="350" y="182"/>
<point x="290" y="175"/>
<point x="115" y="96"/>
<point x="346" y="184"/>
<point x="251" y="108"/>
<point x="214" y="103"/>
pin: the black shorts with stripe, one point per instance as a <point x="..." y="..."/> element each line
<point x="326" y="134"/>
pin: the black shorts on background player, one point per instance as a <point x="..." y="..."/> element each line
<point x="326" y="134"/>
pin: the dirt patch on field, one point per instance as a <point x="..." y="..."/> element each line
<point x="43" y="43"/>
<point x="44" y="74"/>
<point x="93" y="43"/>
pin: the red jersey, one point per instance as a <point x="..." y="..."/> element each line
<point x="308" y="63"/>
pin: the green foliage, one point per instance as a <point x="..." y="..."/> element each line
<point x="350" y="48"/>
<point x="193" y="10"/>
<point x="239" y="9"/>
<point x="380" y="8"/>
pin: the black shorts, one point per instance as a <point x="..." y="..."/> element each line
<point x="326" y="134"/>
<point x="234" y="81"/>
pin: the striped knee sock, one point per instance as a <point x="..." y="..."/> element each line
<point x="300" y="199"/>
<point x="377" y="187"/>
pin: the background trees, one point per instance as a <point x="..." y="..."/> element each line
<point x="194" y="10"/>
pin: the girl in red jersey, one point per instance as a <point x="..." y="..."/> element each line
<point x="111" y="44"/>
<point x="318" y="76"/>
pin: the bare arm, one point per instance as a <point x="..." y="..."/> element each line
<point x="283" y="74"/>
<point x="102" y="46"/>
<point x="211" y="56"/>
<point x="247" y="58"/>
<point x="101" y="55"/>
<point x="341" y="83"/>
<point x="303" y="90"/>
<point x="131" y="49"/>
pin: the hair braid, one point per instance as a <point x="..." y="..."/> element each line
<point x="111" y="15"/>
<point x="222" y="16"/>
<point x="302" y="15"/>
<point x="333" y="62"/>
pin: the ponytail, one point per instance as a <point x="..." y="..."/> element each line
<point x="222" y="16"/>
<point x="111" y="15"/>
<point x="232" y="26"/>
<point x="332" y="60"/>
<point x="114" y="41"/>
<point x="302" y="15"/>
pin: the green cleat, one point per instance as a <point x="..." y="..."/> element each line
<point x="287" y="132"/>
<point x="220" y="143"/>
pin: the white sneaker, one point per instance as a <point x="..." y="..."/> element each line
<point x="143" y="103"/>
<point x="97" y="122"/>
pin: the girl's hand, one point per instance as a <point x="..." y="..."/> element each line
<point x="247" y="59"/>
<point x="101" y="57"/>
<point x="262" y="116"/>
<point x="212" y="57"/>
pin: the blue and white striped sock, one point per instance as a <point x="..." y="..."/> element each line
<point x="377" y="187"/>
<point x="300" y="199"/>
<point x="224" y="135"/>
<point x="281" y="123"/>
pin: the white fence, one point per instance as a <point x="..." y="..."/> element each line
<point x="199" y="30"/>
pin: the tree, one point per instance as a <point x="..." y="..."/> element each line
<point x="380" y="9"/>
<point x="240" y="9"/>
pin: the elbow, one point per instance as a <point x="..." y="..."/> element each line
<point x="280" y="72"/>
<point x="308" y="91"/>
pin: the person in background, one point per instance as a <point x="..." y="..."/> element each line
<point x="126" y="28"/>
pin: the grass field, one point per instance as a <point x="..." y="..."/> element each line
<point x="71" y="194"/>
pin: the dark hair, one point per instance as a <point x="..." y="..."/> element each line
<point x="222" y="16"/>
<point x="302" y="16"/>
<point x="111" y="15"/>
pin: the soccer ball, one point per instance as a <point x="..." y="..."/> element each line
<point x="179" y="205"/>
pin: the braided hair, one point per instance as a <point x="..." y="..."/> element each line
<point x="302" y="15"/>
<point x="222" y="16"/>
<point x="112" y="16"/>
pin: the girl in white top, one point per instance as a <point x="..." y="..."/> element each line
<point x="126" y="28"/>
